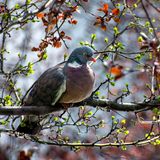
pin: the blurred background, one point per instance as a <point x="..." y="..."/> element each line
<point x="123" y="65"/>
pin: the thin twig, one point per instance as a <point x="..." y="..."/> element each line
<point x="149" y="19"/>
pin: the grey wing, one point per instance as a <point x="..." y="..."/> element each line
<point x="48" y="88"/>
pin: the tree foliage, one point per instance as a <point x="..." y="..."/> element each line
<point x="123" y="110"/>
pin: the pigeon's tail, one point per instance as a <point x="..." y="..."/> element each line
<point x="29" y="125"/>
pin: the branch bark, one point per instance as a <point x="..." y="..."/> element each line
<point x="102" y="103"/>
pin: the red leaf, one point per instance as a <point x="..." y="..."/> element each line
<point x="117" y="71"/>
<point x="67" y="37"/>
<point x="115" y="11"/>
<point x="40" y="15"/>
<point x="104" y="8"/>
<point x="73" y="21"/>
<point x="61" y="16"/>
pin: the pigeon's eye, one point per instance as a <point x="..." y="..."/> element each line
<point x="88" y="56"/>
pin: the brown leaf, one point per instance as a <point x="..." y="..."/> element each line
<point x="43" y="45"/>
<point x="117" y="20"/>
<point x="45" y="22"/>
<point x="2" y="9"/>
<point x="108" y="19"/>
<point x="49" y="27"/>
<point x="62" y="34"/>
<point x="54" y="21"/>
<point x="39" y="55"/>
<point x="61" y="16"/>
<point x="57" y="44"/>
<point x="23" y="156"/>
<point x="34" y="49"/>
<point x="99" y="20"/>
<point x="103" y="27"/>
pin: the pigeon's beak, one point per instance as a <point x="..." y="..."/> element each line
<point x="92" y="59"/>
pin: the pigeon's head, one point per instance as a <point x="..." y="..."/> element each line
<point x="81" y="55"/>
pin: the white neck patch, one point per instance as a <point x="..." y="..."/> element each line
<point x="74" y="65"/>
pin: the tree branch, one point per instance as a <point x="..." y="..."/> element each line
<point x="141" y="142"/>
<point x="22" y="20"/>
<point x="102" y="103"/>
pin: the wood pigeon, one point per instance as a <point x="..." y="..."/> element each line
<point x="66" y="83"/>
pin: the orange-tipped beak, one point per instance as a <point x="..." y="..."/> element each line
<point x="92" y="59"/>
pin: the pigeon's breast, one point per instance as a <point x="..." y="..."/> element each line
<point x="79" y="84"/>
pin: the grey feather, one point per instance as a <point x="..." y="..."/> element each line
<point x="46" y="91"/>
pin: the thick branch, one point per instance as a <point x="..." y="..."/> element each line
<point x="102" y="103"/>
